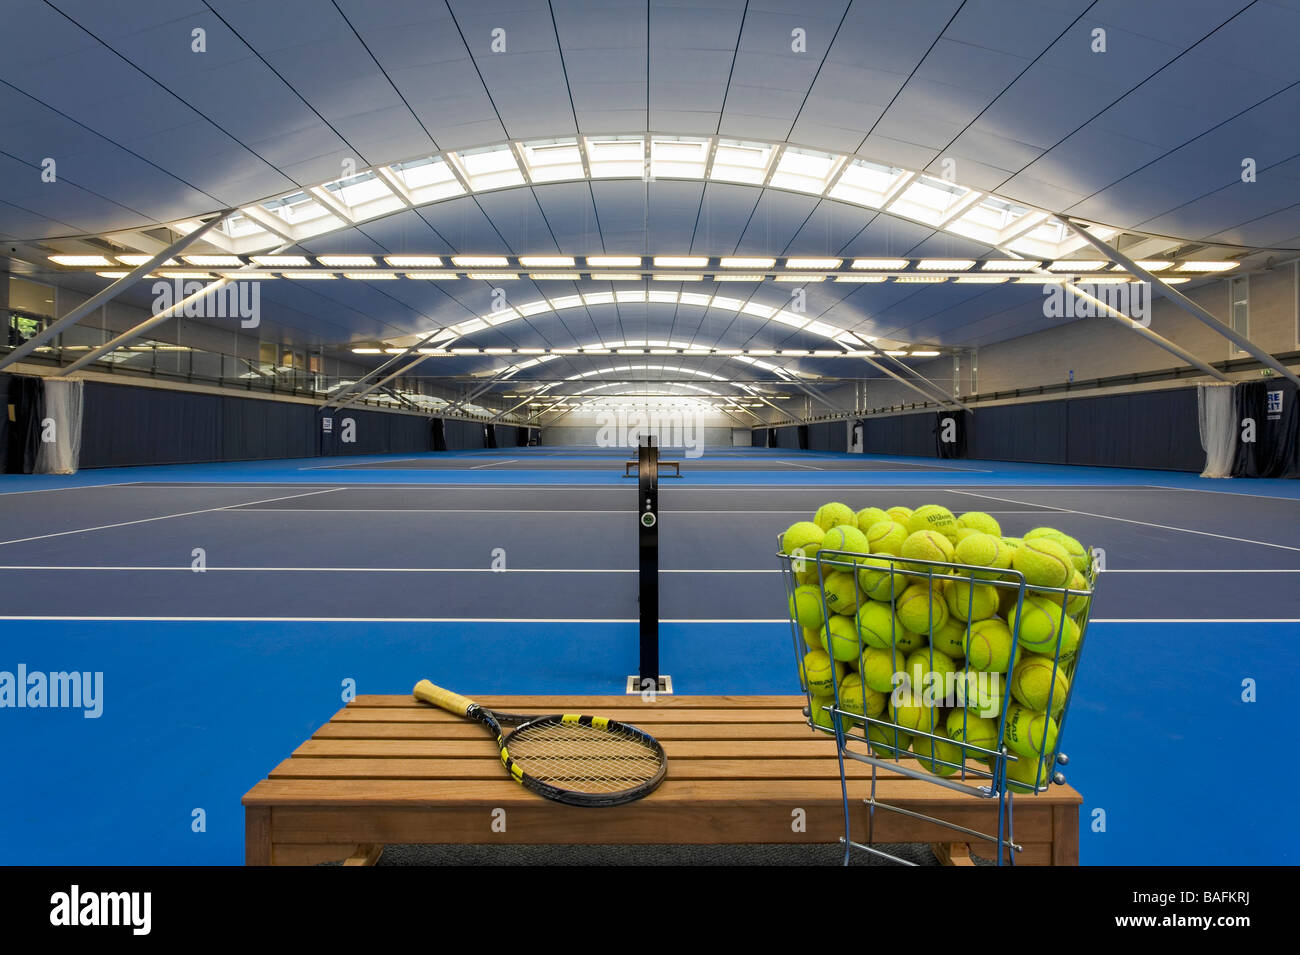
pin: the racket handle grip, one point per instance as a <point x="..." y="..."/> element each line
<point x="449" y="701"/>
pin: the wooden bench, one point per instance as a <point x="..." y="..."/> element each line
<point x="386" y="770"/>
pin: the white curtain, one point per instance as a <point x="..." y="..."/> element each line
<point x="60" y="447"/>
<point x="1217" y="409"/>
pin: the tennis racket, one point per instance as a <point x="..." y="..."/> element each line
<point x="578" y="760"/>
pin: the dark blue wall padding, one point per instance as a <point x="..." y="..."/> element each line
<point x="828" y="436"/>
<point x="1030" y="432"/>
<point x="123" y="426"/>
<point x="1151" y="429"/>
<point x="900" y="434"/>
<point x="1275" y="452"/>
<point x="758" y="438"/>
<point x="464" y="435"/>
<point x="788" y="437"/>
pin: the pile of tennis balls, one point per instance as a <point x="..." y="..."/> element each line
<point x="890" y="617"/>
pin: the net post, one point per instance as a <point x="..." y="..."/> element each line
<point x="648" y="678"/>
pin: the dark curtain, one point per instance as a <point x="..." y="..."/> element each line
<point x="1275" y="452"/>
<point x="26" y="402"/>
<point x="437" y="435"/>
<point x="950" y="434"/>
<point x="758" y="438"/>
<point x="771" y="438"/>
<point x="5" y="382"/>
<point x="489" y="436"/>
<point x="802" y="433"/>
<point x="827" y="436"/>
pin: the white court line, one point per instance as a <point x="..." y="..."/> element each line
<point x="1127" y="520"/>
<point x="1203" y="490"/>
<point x="376" y="570"/>
<point x="499" y="510"/>
<point x="74" y="487"/>
<point x="796" y="465"/>
<point x="161" y="517"/>
<point x="492" y="464"/>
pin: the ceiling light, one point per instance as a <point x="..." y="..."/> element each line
<point x="813" y="263"/>
<point x="860" y="279"/>
<point x="799" y="278"/>
<point x="295" y="261"/>
<point x="367" y="276"/>
<point x="431" y="275"/>
<point x="489" y="276"/>
<point x="676" y="277"/>
<point x="546" y="261"/>
<point x="185" y="275"/>
<point x="617" y="276"/>
<point x="307" y="275"/>
<point x="367" y="351"/>
<point x="1010" y="265"/>
<point x="681" y="261"/>
<point x="945" y="265"/>
<point x="214" y="261"/>
<point x="739" y="262"/>
<point x="981" y="279"/>
<point x="925" y="354"/>
<point x="1206" y="266"/>
<point x="1076" y="265"/>
<point x="345" y="261"/>
<point x="617" y="261"/>
<point x="142" y="259"/>
<point x="479" y="261"/>
<point x="1152" y="265"/>
<point x="738" y="277"/>
<point x="80" y="260"/>
<point x="413" y="261"/>
<point x="896" y="354"/>
<point x="543" y="276"/>
<point x="891" y="264"/>
<point x="920" y="278"/>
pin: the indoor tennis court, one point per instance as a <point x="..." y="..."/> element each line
<point x="530" y="349"/>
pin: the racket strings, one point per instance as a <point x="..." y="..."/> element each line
<point x="584" y="758"/>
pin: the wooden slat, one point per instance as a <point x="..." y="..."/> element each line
<point x="663" y="732"/>
<point x="1065" y="835"/>
<point x="809" y="748"/>
<point x="257" y="836"/>
<point x="587" y="703"/>
<point x="640" y="716"/>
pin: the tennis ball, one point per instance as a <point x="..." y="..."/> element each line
<point x="857" y="697"/>
<point x="818" y="714"/>
<point x="886" y="537"/>
<point x="988" y="648"/>
<point x="1023" y="775"/>
<point x="845" y="537"/>
<point x="1077" y="603"/>
<point x="804" y="564"/>
<point x="1043" y="562"/>
<point x="913" y="717"/>
<point x="932" y="517"/>
<point x="927" y="669"/>
<point x="919" y="610"/>
<point x="806" y="607"/>
<point x="934" y="755"/>
<point x="963" y="726"/>
<point x="1039" y="625"/>
<point x="812" y="638"/>
<point x="841" y="592"/>
<point x="899" y="515"/>
<point x="1034" y="677"/>
<point x="979" y="693"/>
<point x="1008" y="597"/>
<point x="978" y="520"/>
<point x="967" y="601"/>
<point x="983" y="550"/>
<point x="801" y="534"/>
<point x="834" y="514"/>
<point x="926" y="545"/>
<point x="879" y="579"/>
<point x="841" y="636"/>
<point x="887" y="742"/>
<point x="869" y="516"/>
<point x="819" y="673"/>
<point x="908" y="640"/>
<point x="877" y="624"/>
<point x="877" y="668"/>
<point x="1025" y="731"/>
<point x="951" y="638"/>
<point x="1078" y="553"/>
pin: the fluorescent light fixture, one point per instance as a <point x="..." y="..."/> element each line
<point x="291" y="261"/>
<point x="799" y="278"/>
<point x="615" y="261"/>
<point x="413" y="261"/>
<point x="1175" y="281"/>
<point x="981" y="279"/>
<point x="617" y="276"/>
<point x="489" y="276"/>
<point x="367" y="351"/>
<point x="544" y="276"/>
<point x="119" y="275"/>
<point x="314" y="274"/>
<point x="1041" y="280"/>
<point x="896" y="354"/>
<point x="945" y="265"/>
<point x="728" y="351"/>
<point x="1206" y="266"/>
<point x="442" y="276"/>
<point x="1010" y="265"/>
<point x="1076" y="265"/>
<point x="813" y="263"/>
<point x="369" y="276"/>
<point x="394" y="351"/>
<point x="345" y="261"/>
<point x="73" y="260"/>
<point x="680" y="261"/>
<point x="214" y="261"/>
<point x="479" y="261"/>
<point x="596" y="351"/>
<point x="925" y="354"/>
<point x="677" y="277"/>
<point x="741" y="262"/>
<point x="738" y="277"/>
<point x="892" y="265"/>
<point x="546" y="261"/>
<point x="142" y="259"/>
<point x="1152" y="265"/>
<point x="185" y="275"/>
<point x="860" y="279"/>
<point x="244" y="275"/>
<point x="917" y="279"/>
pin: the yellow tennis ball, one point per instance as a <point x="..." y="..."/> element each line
<point x="919" y="610"/>
<point x="820" y="673"/>
<point x="951" y="637"/>
<point x="914" y="716"/>
<point x="927" y="669"/>
<point x="857" y="697"/>
<point x="909" y="640"/>
<point x="979" y="693"/>
<point x="1075" y="603"/>
<point x="1029" y="733"/>
<point x="1040" y="623"/>
<point x="812" y="638"/>
<point x="1034" y="678"/>
<point x="933" y="517"/>
<point x="817" y="712"/>
<point x="1043" y="562"/>
<point x="1078" y="553"/>
<point x="888" y="741"/>
<point x="886" y="537"/>
<point x="983" y="550"/>
<point x="967" y="601"/>
<point x="806" y="607"/>
<point x="844" y="537"/>
<point x="880" y="578"/>
<point x="801" y="534"/>
<point x="877" y="668"/>
<point x="841" y="637"/>
<point x="926" y="545"/>
<point x="869" y="516"/>
<point x="1023" y="775"/>
<point x="877" y="624"/>
<point x="899" y="515"/>
<point x="978" y="520"/>
<point x="939" y="756"/>
<point x="988" y="647"/>
<point x="841" y="590"/>
<point x="804" y="564"/>
<point x="963" y="726"/>
<point x="830" y="515"/>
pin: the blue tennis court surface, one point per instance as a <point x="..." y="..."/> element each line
<point x="317" y="577"/>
